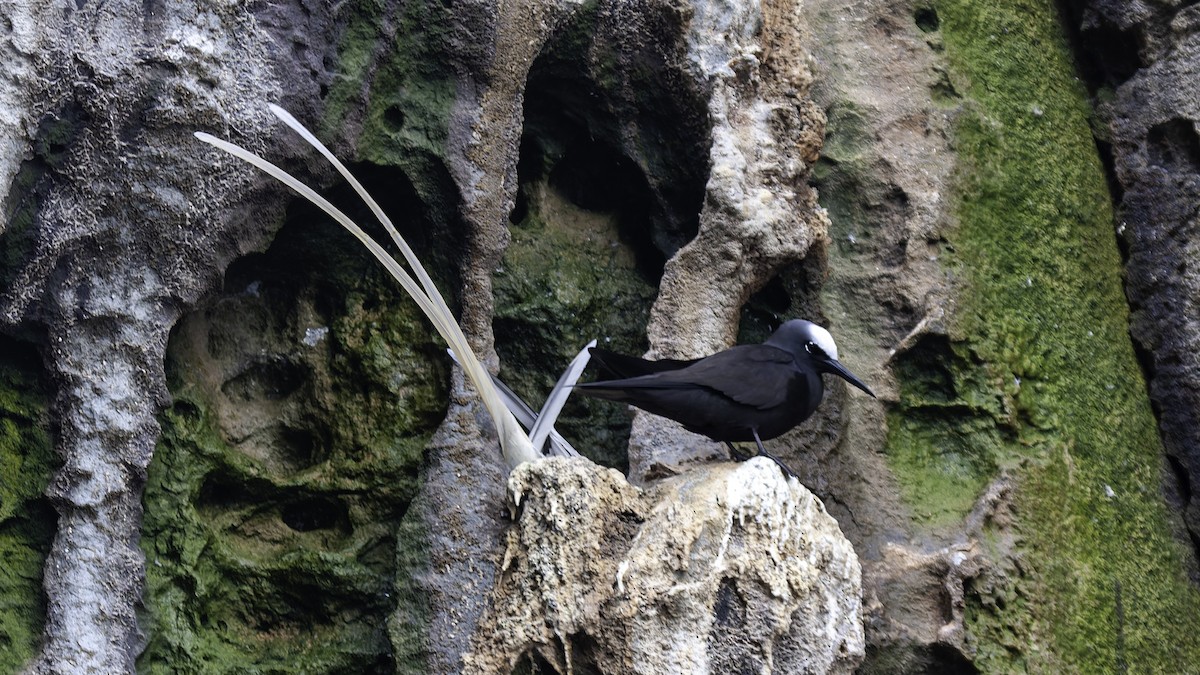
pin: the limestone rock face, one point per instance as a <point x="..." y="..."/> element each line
<point x="112" y="230"/>
<point x="229" y="445"/>
<point x="121" y="223"/>
<point x="760" y="213"/>
<point x="726" y="569"/>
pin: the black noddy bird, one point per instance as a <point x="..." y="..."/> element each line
<point x="745" y="393"/>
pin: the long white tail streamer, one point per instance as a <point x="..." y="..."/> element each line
<point x="558" y="446"/>
<point x="514" y="444"/>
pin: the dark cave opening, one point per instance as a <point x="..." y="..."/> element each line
<point x="592" y="175"/>
<point x="612" y="167"/>
<point x="595" y="177"/>
<point x="319" y="251"/>
<point x="927" y="19"/>
<point x="1106" y="54"/>
<point x="316" y="513"/>
<point x="767" y="309"/>
<point x="1174" y="146"/>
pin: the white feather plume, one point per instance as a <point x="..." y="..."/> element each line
<point x="515" y="445"/>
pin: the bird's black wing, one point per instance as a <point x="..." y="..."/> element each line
<point x="619" y="366"/>
<point x="754" y="375"/>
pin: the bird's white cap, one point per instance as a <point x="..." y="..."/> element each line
<point x="821" y="338"/>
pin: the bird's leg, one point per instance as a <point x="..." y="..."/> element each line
<point x="735" y="454"/>
<point x="763" y="451"/>
<point x="758" y="442"/>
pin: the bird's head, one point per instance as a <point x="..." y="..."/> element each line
<point x="805" y="338"/>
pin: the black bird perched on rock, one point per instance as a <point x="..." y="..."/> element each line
<point x="745" y="393"/>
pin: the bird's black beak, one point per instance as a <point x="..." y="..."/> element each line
<point x="843" y="372"/>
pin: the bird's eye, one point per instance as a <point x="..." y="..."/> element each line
<point x="811" y="348"/>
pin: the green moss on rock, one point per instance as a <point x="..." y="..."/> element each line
<point x="304" y="396"/>
<point x="393" y="59"/>
<point x="566" y="278"/>
<point x="26" y="517"/>
<point x="1040" y="376"/>
<point x="952" y="431"/>
<point x="275" y="526"/>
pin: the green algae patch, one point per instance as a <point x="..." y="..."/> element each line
<point x="953" y="430"/>
<point x="304" y="396"/>
<point x="26" y="518"/>
<point x="392" y="62"/>
<point x="394" y="92"/>
<point x="611" y="174"/>
<point x="566" y="278"/>
<point x="1040" y="380"/>
<point x="276" y="530"/>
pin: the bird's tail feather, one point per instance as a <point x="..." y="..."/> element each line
<point x="544" y="425"/>
<point x="559" y="446"/>
<point x="615" y="366"/>
<point x="514" y="443"/>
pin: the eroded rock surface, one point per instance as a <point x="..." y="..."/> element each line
<point x="1145" y="58"/>
<point x="760" y="213"/>
<point x="991" y="494"/>
<point x="726" y="569"/>
<point x="108" y="277"/>
<point x="113" y="229"/>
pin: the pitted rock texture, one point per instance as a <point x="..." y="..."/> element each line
<point x="112" y="230"/>
<point x="726" y="569"/>
<point x="707" y="119"/>
<point x="884" y="176"/>
<point x="1146" y="56"/>
<point x="947" y="148"/>
<point x="122" y="223"/>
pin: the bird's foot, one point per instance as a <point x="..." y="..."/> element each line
<point x="787" y="471"/>
<point x="739" y="456"/>
<point x="658" y="470"/>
